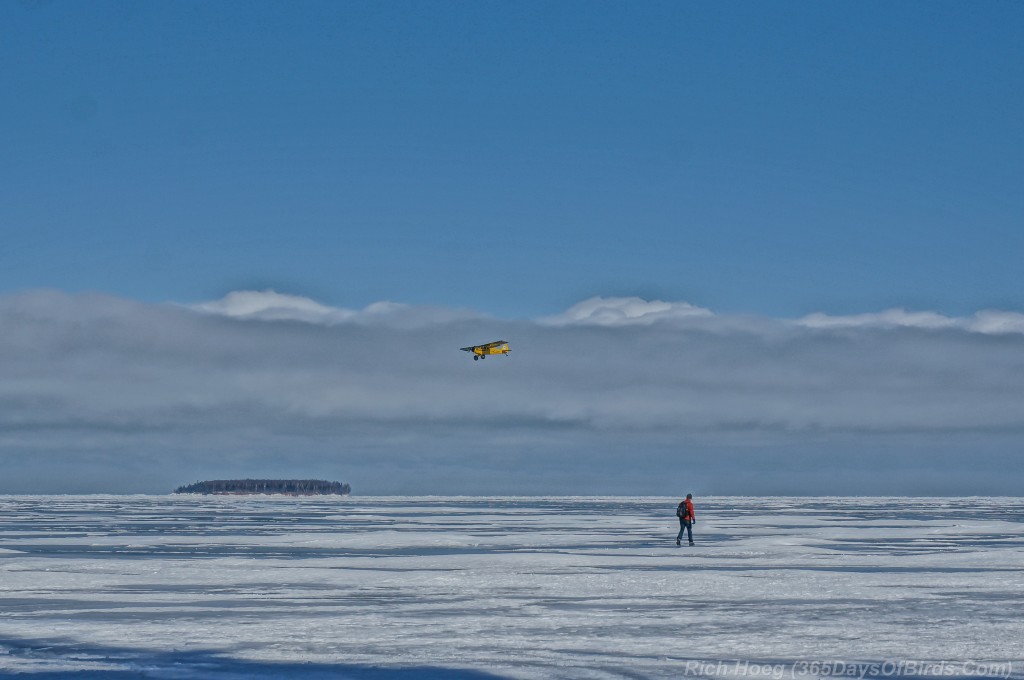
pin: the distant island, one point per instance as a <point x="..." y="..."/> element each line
<point x="289" y="487"/>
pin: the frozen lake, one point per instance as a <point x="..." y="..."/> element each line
<point x="467" y="588"/>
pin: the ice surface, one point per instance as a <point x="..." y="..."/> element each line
<point x="191" y="586"/>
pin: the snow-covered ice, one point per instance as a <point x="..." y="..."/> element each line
<point x="187" y="586"/>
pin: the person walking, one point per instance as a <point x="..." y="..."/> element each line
<point x="686" y="519"/>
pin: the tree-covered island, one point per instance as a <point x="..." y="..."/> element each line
<point x="288" y="487"/>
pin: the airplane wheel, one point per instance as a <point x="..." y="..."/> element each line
<point x="476" y="358"/>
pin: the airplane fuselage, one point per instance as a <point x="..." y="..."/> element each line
<point x="483" y="351"/>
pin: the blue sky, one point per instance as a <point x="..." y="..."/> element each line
<point x="247" y="238"/>
<point x="517" y="157"/>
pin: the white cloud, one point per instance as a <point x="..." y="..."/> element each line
<point x="994" y="322"/>
<point x="624" y="311"/>
<point x="990" y="322"/>
<point x="269" y="305"/>
<point x="890" y="318"/>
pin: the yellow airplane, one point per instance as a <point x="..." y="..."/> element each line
<point x="481" y="351"/>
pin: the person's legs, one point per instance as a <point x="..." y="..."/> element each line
<point x="689" y="531"/>
<point x="682" y="528"/>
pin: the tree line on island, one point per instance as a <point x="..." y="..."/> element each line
<point x="293" y="487"/>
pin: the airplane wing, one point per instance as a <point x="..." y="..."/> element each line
<point x="495" y="344"/>
<point x="469" y="349"/>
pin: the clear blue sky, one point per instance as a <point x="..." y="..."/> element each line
<point x="775" y="158"/>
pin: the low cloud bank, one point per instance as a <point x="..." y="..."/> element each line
<point x="615" y="394"/>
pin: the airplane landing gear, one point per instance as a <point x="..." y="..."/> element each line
<point x="476" y="358"/>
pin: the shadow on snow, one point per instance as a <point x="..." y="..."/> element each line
<point x="53" y="657"/>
